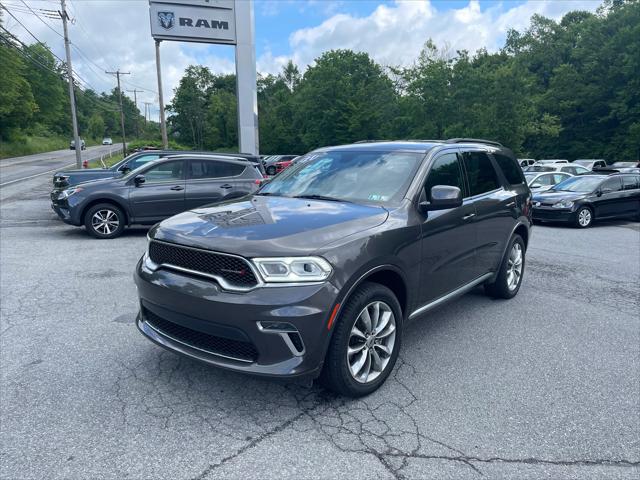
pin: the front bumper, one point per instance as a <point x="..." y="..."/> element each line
<point x="550" y="214"/>
<point x="193" y="316"/>
<point x="67" y="209"/>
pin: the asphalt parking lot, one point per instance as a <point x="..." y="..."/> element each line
<point x="541" y="386"/>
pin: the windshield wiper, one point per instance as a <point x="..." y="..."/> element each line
<point x="322" y="197"/>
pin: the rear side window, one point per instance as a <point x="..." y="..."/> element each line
<point x="612" y="184"/>
<point x="445" y="171"/>
<point x="201" y="169"/>
<point x="630" y="183"/>
<point x="511" y="170"/>
<point x="480" y="173"/>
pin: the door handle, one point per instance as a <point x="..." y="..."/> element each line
<point x="177" y="188"/>
<point x="469" y="217"/>
<point x="226" y="185"/>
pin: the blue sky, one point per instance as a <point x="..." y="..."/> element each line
<point x="110" y="34"/>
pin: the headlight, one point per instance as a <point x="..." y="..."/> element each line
<point x="70" y="191"/>
<point x="563" y="204"/>
<point x="293" y="269"/>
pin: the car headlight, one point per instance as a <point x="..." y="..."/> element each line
<point x="293" y="269"/>
<point x="563" y="204"/>
<point x="70" y="191"/>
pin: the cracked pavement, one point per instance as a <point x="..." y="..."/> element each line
<point x="541" y="386"/>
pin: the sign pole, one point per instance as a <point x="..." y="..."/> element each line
<point x="163" y="124"/>
<point x="246" y="78"/>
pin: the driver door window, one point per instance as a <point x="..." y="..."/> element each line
<point x="165" y="172"/>
<point x="445" y="171"/>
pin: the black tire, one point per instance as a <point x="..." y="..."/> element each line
<point x="112" y="229"/>
<point x="336" y="374"/>
<point x="584" y="217"/>
<point x="501" y="287"/>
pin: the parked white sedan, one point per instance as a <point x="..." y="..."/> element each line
<point x="539" y="182"/>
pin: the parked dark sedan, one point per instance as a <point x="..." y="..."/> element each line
<point x="68" y="178"/>
<point x="582" y="200"/>
<point x="154" y="191"/>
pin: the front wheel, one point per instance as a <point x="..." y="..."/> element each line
<point x="584" y="217"/>
<point x="104" y="221"/>
<point x="509" y="277"/>
<point x="366" y="342"/>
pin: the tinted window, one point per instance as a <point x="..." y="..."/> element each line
<point x="630" y="183"/>
<point x="480" y="172"/>
<point x="165" y="172"/>
<point x="445" y="171"/>
<point x="212" y="169"/>
<point x="511" y="170"/>
<point x="613" y="184"/>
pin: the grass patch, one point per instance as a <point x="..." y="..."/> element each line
<point x="31" y="145"/>
<point x="108" y="161"/>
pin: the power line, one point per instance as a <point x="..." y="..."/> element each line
<point x="42" y="20"/>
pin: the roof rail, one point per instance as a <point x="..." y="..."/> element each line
<point x="372" y="141"/>
<point x="473" y="140"/>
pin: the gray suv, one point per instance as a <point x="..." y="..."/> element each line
<point x="154" y="191"/>
<point x="316" y="274"/>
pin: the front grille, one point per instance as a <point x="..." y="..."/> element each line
<point x="234" y="270"/>
<point x="226" y="347"/>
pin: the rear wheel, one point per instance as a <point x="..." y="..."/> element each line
<point x="365" y="344"/>
<point x="104" y="220"/>
<point x="509" y="278"/>
<point x="584" y="217"/>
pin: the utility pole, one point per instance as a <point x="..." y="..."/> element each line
<point x="72" y="97"/>
<point x="163" y="123"/>
<point x="146" y="109"/>
<point x="135" y="100"/>
<point x="117" y="73"/>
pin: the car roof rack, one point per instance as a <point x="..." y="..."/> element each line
<point x="473" y="140"/>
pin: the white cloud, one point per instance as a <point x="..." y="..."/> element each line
<point x="394" y="35"/>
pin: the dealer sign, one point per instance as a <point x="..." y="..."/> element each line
<point x="204" y="21"/>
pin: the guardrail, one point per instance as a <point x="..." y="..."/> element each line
<point x="112" y="151"/>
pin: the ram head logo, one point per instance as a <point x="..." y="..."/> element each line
<point x="166" y="20"/>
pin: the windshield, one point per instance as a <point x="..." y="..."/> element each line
<point x="354" y="176"/>
<point x="578" y="184"/>
<point x="538" y="168"/>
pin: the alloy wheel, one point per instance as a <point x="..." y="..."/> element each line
<point x="105" y="221"/>
<point x="371" y="342"/>
<point x="514" y="266"/>
<point x="584" y="217"/>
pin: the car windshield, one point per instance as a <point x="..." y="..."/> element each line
<point x="530" y="176"/>
<point x="353" y="176"/>
<point x="578" y="184"/>
<point x="584" y="163"/>
<point x="539" y="168"/>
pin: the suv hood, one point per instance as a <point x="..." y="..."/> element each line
<point x="266" y="226"/>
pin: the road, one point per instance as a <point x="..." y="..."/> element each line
<point x="16" y="169"/>
<point x="541" y="386"/>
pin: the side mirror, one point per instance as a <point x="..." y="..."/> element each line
<point x="124" y="168"/>
<point x="443" y="197"/>
<point x="139" y="180"/>
<point x="535" y="185"/>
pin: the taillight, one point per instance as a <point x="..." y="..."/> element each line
<point x="258" y="181"/>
